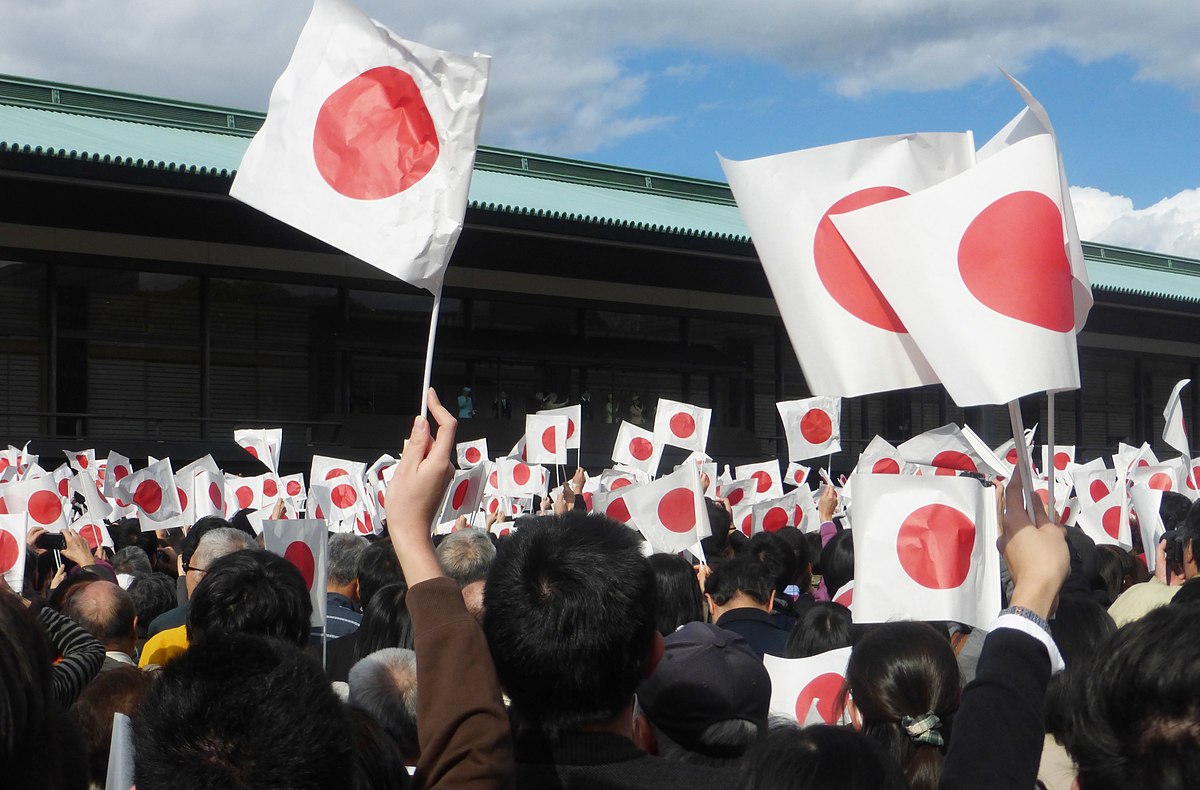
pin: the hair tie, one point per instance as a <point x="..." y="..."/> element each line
<point x="924" y="729"/>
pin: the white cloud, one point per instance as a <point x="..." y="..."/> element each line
<point x="1170" y="226"/>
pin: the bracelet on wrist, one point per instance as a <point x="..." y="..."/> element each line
<point x="1029" y="615"/>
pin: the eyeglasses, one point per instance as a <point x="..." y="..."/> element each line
<point x="189" y="568"/>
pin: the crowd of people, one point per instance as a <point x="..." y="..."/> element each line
<point x="561" y="655"/>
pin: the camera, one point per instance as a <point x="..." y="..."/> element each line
<point x="51" y="540"/>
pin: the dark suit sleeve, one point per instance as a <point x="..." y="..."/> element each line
<point x="998" y="731"/>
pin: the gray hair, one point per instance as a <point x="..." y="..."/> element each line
<point x="345" y="552"/>
<point x="384" y="686"/>
<point x="466" y="556"/>
<point x="132" y="560"/>
<point x="218" y="543"/>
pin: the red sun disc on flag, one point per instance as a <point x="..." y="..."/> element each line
<point x="549" y="440"/>
<point x="825" y="691"/>
<point x="335" y="472"/>
<point x="493" y="505"/>
<point x="216" y="496"/>
<point x="618" y="511"/>
<point x="683" y="425"/>
<point x="641" y="448"/>
<point x="472" y="455"/>
<point x="1098" y="490"/>
<point x="570" y="427"/>
<point x="250" y="449"/>
<point x="764" y="481"/>
<point x="245" y="497"/>
<point x="1011" y="456"/>
<point x="9" y="549"/>
<point x="620" y="482"/>
<point x="379" y="497"/>
<point x="953" y="459"/>
<point x="1061" y="460"/>
<point x="840" y="271"/>
<point x="343" y="495"/>
<point x="64" y="487"/>
<point x="460" y="494"/>
<point x="520" y="474"/>
<point x="1111" y="521"/>
<point x="299" y="554"/>
<point x="293" y="488"/>
<point x="846" y="598"/>
<point x="494" y="480"/>
<point x="270" y="487"/>
<point x="677" y="510"/>
<point x="934" y="546"/>
<point x="775" y="519"/>
<point x="374" y="136"/>
<point x="120" y="473"/>
<point x="91" y="533"/>
<point x="747" y="526"/>
<point x="885" y="466"/>
<point x="183" y="500"/>
<point x="1025" y="276"/>
<point x="148" y="496"/>
<point x="82" y="459"/>
<point x="363" y="524"/>
<point x="735" y="496"/>
<point x="816" y="426"/>
<point x="1161" y="481"/>
<point x="799" y="476"/>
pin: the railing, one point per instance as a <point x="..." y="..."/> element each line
<point x="153" y="424"/>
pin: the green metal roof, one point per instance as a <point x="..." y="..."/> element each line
<point x="74" y="122"/>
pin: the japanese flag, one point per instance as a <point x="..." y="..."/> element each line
<point x="1146" y="502"/>
<point x="206" y="464"/>
<point x="1104" y="507"/>
<point x="62" y="477"/>
<point x="879" y="458"/>
<point x="208" y="495"/>
<point x="81" y="460"/>
<point x="262" y="443"/>
<point x="378" y="472"/>
<point x="945" y="448"/>
<point x="789" y="510"/>
<point x="990" y="463"/>
<point x="152" y="490"/>
<point x="292" y="489"/>
<point x="342" y="501"/>
<point x="12" y="550"/>
<point x="325" y="468"/>
<point x="93" y="531"/>
<point x="1164" y="477"/>
<point x="95" y="505"/>
<point x="518" y="450"/>
<point x="637" y="448"/>
<point x="768" y="484"/>
<point x="812" y="426"/>
<point x="992" y="245"/>
<point x="471" y="454"/>
<point x="250" y="492"/>
<point x="925" y="549"/>
<point x="574" y="415"/>
<point x="1174" y="431"/>
<point x="465" y="493"/>
<point x="304" y="543"/>
<point x="614" y="479"/>
<point x="797" y="474"/>
<point x="116" y="470"/>
<point x="1064" y="458"/>
<point x="809" y="690"/>
<point x="369" y="144"/>
<point x="682" y="425"/>
<point x="670" y="512"/>
<point x="546" y="438"/>
<point x="847" y="337"/>
<point x="844" y="595"/>
<point x="39" y="499"/>
<point x="517" y="478"/>
<point x="611" y="504"/>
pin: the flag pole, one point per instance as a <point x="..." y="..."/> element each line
<point x="1024" y="465"/>
<point x="433" y="322"/>
<point x="1050" y="465"/>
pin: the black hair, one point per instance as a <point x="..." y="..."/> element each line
<point x="1136" y="717"/>
<point x="119" y="690"/>
<point x="569" y="612"/>
<point x="720" y="520"/>
<point x="813" y="541"/>
<point x="817" y="758"/>
<point x="1110" y="573"/>
<point x="385" y="622"/>
<point x="744" y="574"/>
<point x="837" y="562"/>
<point x="152" y="595"/>
<point x="677" y="593"/>
<point x="1188" y="593"/>
<point x="1189" y="532"/>
<point x="1173" y="509"/>
<point x="905" y="669"/>
<point x="192" y="539"/>
<point x="823" y="627"/>
<point x="1079" y="627"/>
<point x="777" y="555"/>
<point x="378" y="763"/>
<point x="796" y="541"/>
<point x="377" y="567"/>
<point x="242" y="711"/>
<point x="251" y="592"/>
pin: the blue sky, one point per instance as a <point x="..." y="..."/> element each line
<point x="663" y="84"/>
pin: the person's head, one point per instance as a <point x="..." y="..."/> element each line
<point x="133" y="561"/>
<point x="152" y="595"/>
<point x="742" y="582"/>
<point x="720" y="520"/>
<point x="191" y="540"/>
<point x="385" y="622"/>
<point x="120" y="690"/>
<point x="1188" y="533"/>
<point x="1173" y="509"/>
<point x="466" y="556"/>
<point x="251" y="592"/>
<point x="904" y="688"/>
<point x="384" y="685"/>
<point x="242" y="711"/>
<point x="378" y="566"/>
<point x="215" y="543"/>
<point x="1079" y="627"/>
<point x="796" y="541"/>
<point x="1188" y="593"/>
<point x="837" y="561"/>
<point x="378" y="761"/>
<point x="569" y="617"/>
<point x="823" y="627"/>
<point x="708" y="698"/>
<point x="24" y="679"/>
<point x="345" y="553"/>
<point x="817" y="758"/>
<point x="777" y="555"/>
<point x="1136" y="716"/>
<point x="107" y="613"/>
<point x="1110" y="572"/>
<point x="678" y="598"/>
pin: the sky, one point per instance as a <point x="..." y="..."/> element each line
<point x="663" y="85"/>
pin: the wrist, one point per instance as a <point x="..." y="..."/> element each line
<point x="1039" y="601"/>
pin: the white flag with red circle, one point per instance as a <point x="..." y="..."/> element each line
<point x="743" y="518"/>
<point x="809" y="690"/>
<point x="305" y="544"/>
<point x="1174" y="430"/>
<point x="925" y="549"/>
<point x="847" y="337"/>
<point x="471" y="454"/>
<point x="574" y="415"/>
<point x="342" y="501"/>
<point x="293" y="490"/>
<point x="682" y="424"/>
<point x="93" y="531"/>
<point x="465" y="493"/>
<point x="844" y="595"/>
<point x="1104" y="507"/>
<point x="62" y="477"/>
<point x="12" y="550"/>
<point x="262" y="444"/>
<point x="790" y="510"/>
<point x="37" y="497"/>
<point x="1163" y="477"/>
<point x="517" y="479"/>
<point x="95" y="505"/>
<point x="992" y="246"/>
<point x="247" y="493"/>
<point x="1146" y="502"/>
<point x="945" y="448"/>
<point x="324" y="468"/>
<point x="546" y="438"/>
<point x="879" y="458"/>
<point x="670" y="511"/>
<point x="81" y="460"/>
<point x="637" y="448"/>
<point x="768" y="483"/>
<point x="739" y="492"/>
<point x="1064" y="458"/>
<point x="611" y="504"/>
<point x="153" y="492"/>
<point x="812" y="426"/>
<point x="369" y="144"/>
<point x="797" y="474"/>
<point x="207" y="496"/>
<point x="614" y="479"/>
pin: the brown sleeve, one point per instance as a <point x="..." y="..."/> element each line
<point x="461" y="722"/>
